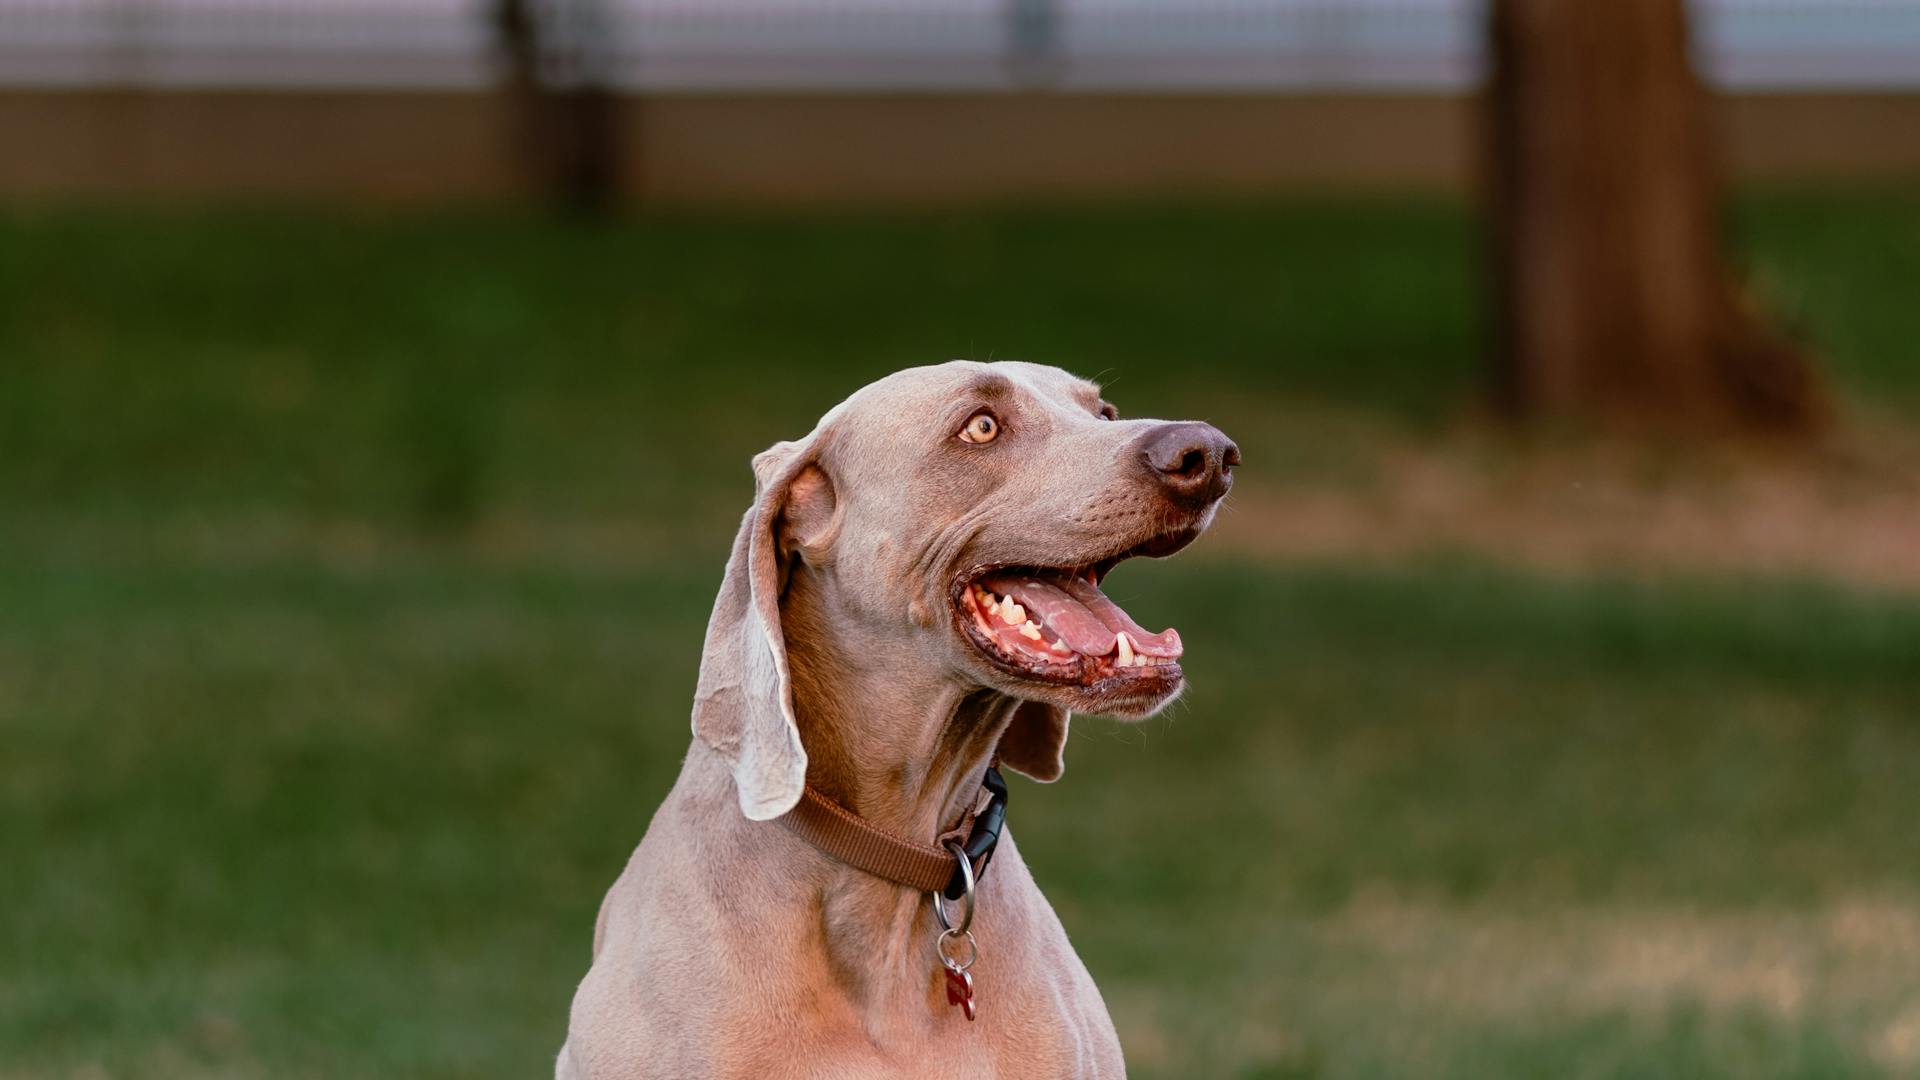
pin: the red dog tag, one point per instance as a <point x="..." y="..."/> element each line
<point x="960" y="990"/>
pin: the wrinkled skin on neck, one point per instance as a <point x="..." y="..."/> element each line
<point x="902" y="744"/>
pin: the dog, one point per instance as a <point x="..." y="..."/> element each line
<point x="912" y="600"/>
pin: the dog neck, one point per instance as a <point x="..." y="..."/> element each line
<point x="903" y="746"/>
<point x="894" y="738"/>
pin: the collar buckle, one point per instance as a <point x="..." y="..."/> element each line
<point x="985" y="836"/>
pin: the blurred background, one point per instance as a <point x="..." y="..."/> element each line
<point x="377" y="385"/>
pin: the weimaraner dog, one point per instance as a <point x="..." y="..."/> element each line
<point x="912" y="600"/>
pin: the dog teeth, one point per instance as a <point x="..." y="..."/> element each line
<point x="1126" y="656"/>
<point x="1008" y="612"/>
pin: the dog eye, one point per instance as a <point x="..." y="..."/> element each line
<point x="981" y="428"/>
<point x="1108" y="412"/>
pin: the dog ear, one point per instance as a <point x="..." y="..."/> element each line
<point x="743" y="706"/>
<point x="1035" y="743"/>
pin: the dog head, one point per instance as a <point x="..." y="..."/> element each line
<point x="959" y="519"/>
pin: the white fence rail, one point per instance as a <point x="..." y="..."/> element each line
<point x="1146" y="45"/>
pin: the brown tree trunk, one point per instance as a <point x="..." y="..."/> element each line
<point x="568" y="138"/>
<point x="1613" y="301"/>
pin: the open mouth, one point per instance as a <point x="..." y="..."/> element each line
<point x="1054" y="624"/>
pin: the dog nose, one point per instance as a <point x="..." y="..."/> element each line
<point x="1193" y="461"/>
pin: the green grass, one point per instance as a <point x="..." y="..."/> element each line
<point x="295" y="821"/>
<point x="443" y="368"/>
<point x="352" y="573"/>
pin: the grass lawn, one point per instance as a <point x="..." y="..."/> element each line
<point x="352" y="574"/>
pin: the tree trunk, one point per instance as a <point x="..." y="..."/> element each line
<point x="568" y="138"/>
<point x="1614" y="302"/>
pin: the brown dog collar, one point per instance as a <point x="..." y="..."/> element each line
<point x="947" y="870"/>
<point x="845" y="835"/>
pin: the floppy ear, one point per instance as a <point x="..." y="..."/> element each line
<point x="1035" y="743"/>
<point x="743" y="706"/>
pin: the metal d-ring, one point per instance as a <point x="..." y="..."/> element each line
<point x="955" y="966"/>
<point x="966" y="894"/>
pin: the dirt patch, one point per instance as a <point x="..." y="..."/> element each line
<point x="1847" y="510"/>
<point x="1850" y="958"/>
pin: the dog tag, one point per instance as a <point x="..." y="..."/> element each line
<point x="959" y="979"/>
<point x="960" y="990"/>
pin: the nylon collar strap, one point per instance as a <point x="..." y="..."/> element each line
<point x="845" y="835"/>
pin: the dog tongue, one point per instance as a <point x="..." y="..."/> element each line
<point x="1081" y="615"/>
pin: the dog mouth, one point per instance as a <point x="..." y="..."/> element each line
<point x="1052" y="624"/>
